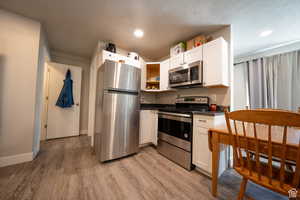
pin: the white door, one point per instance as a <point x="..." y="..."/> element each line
<point x="63" y="122"/>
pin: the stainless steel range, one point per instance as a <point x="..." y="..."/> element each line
<point x="175" y="129"/>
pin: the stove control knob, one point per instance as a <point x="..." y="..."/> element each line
<point x="186" y="135"/>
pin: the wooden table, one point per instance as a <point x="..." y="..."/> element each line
<point x="220" y="135"/>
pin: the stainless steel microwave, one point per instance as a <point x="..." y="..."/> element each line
<point x="186" y="75"/>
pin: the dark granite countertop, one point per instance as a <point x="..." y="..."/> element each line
<point x="164" y="106"/>
<point x="155" y="106"/>
<point x="208" y="113"/>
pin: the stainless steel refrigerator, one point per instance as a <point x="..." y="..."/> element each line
<point x="117" y="111"/>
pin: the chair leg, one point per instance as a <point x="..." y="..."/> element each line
<point x="242" y="188"/>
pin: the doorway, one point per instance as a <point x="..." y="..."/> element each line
<point x="60" y="122"/>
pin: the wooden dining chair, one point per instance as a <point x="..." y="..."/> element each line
<point x="274" y="164"/>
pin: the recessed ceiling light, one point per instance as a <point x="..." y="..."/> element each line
<point x="266" y="33"/>
<point x="138" y="33"/>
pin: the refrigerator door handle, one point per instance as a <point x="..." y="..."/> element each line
<point x="113" y="90"/>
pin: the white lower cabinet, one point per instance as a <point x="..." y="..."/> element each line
<point x="148" y="127"/>
<point x="201" y="154"/>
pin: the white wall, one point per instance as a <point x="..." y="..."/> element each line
<point x="19" y="50"/>
<point x="64" y="58"/>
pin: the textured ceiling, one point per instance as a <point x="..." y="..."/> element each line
<point x="74" y="26"/>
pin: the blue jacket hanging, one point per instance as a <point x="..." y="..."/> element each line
<point x="65" y="99"/>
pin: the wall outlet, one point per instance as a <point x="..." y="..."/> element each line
<point x="213" y="98"/>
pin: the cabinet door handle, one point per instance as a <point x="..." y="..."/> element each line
<point x="201" y="120"/>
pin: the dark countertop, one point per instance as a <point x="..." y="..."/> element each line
<point x="155" y="106"/>
<point x="208" y="113"/>
<point x="163" y="106"/>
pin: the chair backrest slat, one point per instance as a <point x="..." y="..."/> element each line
<point x="238" y="144"/>
<point x="257" y="151"/>
<point x="270" y="168"/>
<point x="233" y="139"/>
<point x="283" y="157"/>
<point x="246" y="149"/>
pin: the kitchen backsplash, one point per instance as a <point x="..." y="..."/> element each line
<point x="220" y="96"/>
<point x="148" y="98"/>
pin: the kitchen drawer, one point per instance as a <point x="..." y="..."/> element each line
<point x="203" y="121"/>
<point x="193" y="55"/>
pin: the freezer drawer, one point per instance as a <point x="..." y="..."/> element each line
<point x="120" y="126"/>
<point x="121" y="76"/>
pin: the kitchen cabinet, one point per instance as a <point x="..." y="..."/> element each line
<point x="193" y="55"/>
<point x="215" y="63"/>
<point x="143" y="74"/>
<point x="202" y="156"/>
<point x="148" y="127"/>
<point x="176" y="61"/>
<point x="155" y="76"/>
<point x="152" y="75"/>
<point x="164" y="75"/>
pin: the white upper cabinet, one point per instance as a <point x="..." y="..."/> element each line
<point x="215" y="63"/>
<point x="177" y="61"/>
<point x="164" y="75"/>
<point x="193" y="55"/>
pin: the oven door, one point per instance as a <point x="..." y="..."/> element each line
<point x="196" y="72"/>
<point x="176" y="125"/>
<point x="179" y="76"/>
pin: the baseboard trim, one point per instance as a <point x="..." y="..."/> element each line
<point x="16" y="159"/>
<point x="83" y="132"/>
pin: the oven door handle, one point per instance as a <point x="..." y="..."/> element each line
<point x="175" y="117"/>
<point x="175" y="114"/>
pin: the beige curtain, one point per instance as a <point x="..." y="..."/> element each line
<point x="274" y="81"/>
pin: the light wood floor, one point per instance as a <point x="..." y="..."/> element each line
<point x="66" y="169"/>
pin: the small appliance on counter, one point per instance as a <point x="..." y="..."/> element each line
<point x="213" y="107"/>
